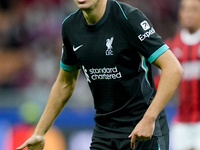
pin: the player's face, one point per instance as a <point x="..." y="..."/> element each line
<point x="86" y="4"/>
<point x="190" y="14"/>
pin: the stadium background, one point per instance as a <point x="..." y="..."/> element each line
<point x="30" y="49"/>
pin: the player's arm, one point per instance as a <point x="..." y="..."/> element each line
<point x="60" y="94"/>
<point x="171" y="72"/>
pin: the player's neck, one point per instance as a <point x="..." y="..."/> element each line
<point x="93" y="15"/>
<point x="193" y="30"/>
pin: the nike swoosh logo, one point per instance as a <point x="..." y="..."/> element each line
<point x="76" y="48"/>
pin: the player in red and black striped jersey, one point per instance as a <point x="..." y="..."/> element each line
<point x="186" y="47"/>
<point x="115" y="44"/>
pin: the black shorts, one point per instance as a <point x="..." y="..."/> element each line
<point x="155" y="143"/>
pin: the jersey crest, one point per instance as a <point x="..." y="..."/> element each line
<point x="109" y="46"/>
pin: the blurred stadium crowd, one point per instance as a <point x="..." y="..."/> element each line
<point x="30" y="50"/>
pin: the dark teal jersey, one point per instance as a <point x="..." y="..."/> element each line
<point x="115" y="55"/>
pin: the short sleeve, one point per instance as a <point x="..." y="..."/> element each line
<point x="69" y="61"/>
<point x="144" y="37"/>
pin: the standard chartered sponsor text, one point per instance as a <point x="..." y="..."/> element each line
<point x="105" y="73"/>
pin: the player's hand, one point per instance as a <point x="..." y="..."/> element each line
<point x="143" y="131"/>
<point x="35" y="142"/>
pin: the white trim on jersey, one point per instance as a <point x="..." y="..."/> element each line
<point x="190" y="39"/>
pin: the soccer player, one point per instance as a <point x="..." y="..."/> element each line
<point x="186" y="47"/>
<point x="114" y="44"/>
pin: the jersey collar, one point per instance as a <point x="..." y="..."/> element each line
<point x="101" y="21"/>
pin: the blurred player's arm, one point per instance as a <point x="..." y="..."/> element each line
<point x="171" y="73"/>
<point x="60" y="94"/>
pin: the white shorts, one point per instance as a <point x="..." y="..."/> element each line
<point x="185" y="136"/>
